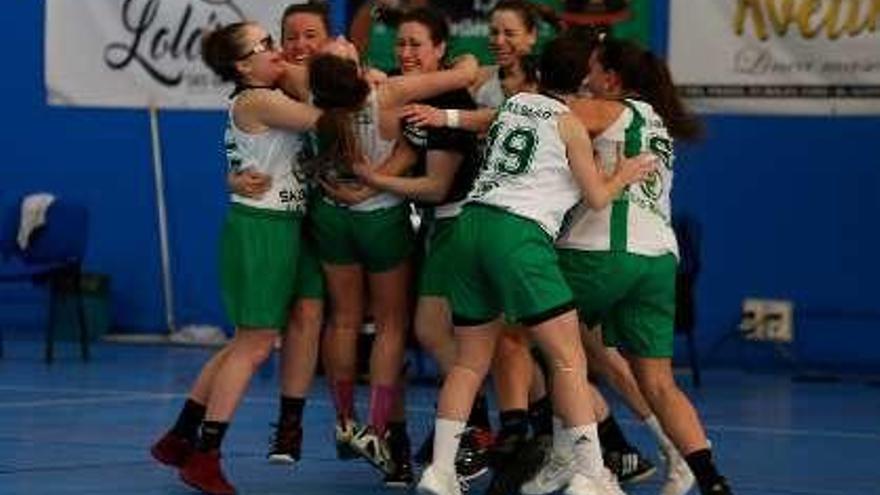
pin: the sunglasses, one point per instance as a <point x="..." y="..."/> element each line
<point x="266" y="44"/>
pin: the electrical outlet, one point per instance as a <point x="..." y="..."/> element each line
<point x="778" y="318"/>
<point x="767" y="320"/>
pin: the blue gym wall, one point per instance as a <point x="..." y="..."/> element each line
<point x="788" y="208"/>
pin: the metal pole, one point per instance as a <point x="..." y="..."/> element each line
<point x="167" y="286"/>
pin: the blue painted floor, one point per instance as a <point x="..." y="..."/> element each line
<point x="74" y="428"/>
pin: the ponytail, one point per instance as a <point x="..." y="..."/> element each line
<point x="644" y="74"/>
<point x="662" y="94"/>
<point x="340" y="91"/>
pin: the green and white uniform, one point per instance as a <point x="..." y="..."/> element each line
<point x="502" y="243"/>
<point x="621" y="261"/>
<point x="526" y="171"/>
<point x="260" y="244"/>
<point x="376" y="232"/>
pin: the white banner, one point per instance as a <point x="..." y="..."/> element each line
<point x="777" y="56"/>
<point x="138" y="53"/>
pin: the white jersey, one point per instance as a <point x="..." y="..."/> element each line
<point x="376" y="149"/>
<point x="490" y="94"/>
<point x="526" y="169"/>
<point x="273" y="152"/>
<point x="639" y="221"/>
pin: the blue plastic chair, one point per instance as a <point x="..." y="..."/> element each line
<point x="52" y="259"/>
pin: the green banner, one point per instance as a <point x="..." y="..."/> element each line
<point x="638" y="26"/>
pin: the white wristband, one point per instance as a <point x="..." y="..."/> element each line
<point x="453" y="118"/>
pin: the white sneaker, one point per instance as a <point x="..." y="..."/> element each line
<point x="679" y="478"/>
<point x="438" y="482"/>
<point x="605" y="484"/>
<point x="553" y="475"/>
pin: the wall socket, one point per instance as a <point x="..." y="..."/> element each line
<point x="769" y="320"/>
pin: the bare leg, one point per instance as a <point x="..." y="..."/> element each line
<point x="559" y="339"/>
<point x="299" y="351"/>
<point x="433" y="326"/>
<point x="345" y="289"/>
<point x="201" y="389"/>
<point x="673" y="409"/>
<point x="247" y="351"/>
<point x="389" y="293"/>
<point x="613" y="367"/>
<point x="512" y="369"/>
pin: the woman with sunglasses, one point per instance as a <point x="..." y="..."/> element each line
<point x="259" y="250"/>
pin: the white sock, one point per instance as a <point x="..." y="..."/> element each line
<point x="665" y="443"/>
<point x="587" y="451"/>
<point x="562" y="444"/>
<point x="447" y="436"/>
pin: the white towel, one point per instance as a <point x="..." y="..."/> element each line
<point x="33" y="216"/>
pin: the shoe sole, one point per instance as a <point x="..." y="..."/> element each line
<point x="195" y="486"/>
<point x="683" y="489"/>
<point x="281" y="459"/>
<point x="639" y="477"/>
<point x="398" y="484"/>
<point x="472" y="477"/>
<point x="426" y="491"/>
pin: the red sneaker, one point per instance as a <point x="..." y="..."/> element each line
<point x="202" y="471"/>
<point x="172" y="450"/>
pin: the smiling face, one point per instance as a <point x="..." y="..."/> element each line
<point x="509" y="37"/>
<point x="415" y="49"/>
<point x="259" y="63"/>
<point x="304" y="34"/>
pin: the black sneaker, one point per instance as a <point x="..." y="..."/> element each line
<point x="514" y="460"/>
<point x="401" y="475"/>
<point x="630" y="466"/>
<point x="285" y="444"/>
<point x="472" y="458"/>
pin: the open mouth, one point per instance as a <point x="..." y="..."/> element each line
<point x="502" y="54"/>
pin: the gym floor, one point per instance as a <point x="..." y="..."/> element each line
<point x="75" y="428"/>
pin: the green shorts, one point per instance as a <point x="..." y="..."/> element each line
<point x="379" y="240"/>
<point x="259" y="250"/>
<point x="433" y="274"/>
<point x="632" y="296"/>
<point x="310" y="276"/>
<point x="502" y="263"/>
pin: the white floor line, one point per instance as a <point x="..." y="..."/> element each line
<point x="134" y="395"/>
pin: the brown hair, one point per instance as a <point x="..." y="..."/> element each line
<point x="529" y="13"/>
<point x="432" y="19"/>
<point x="563" y="65"/>
<point x="339" y="90"/>
<point x="647" y="76"/>
<point x="222" y="47"/>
